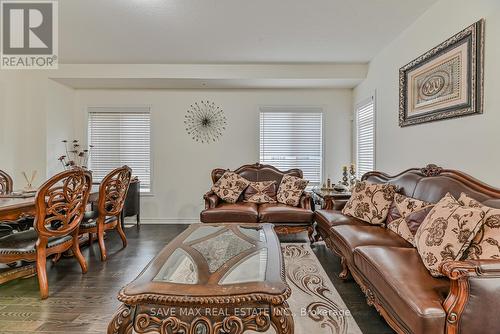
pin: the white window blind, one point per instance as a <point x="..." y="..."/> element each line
<point x="365" y="137"/>
<point x="293" y="140"/>
<point x="120" y="136"/>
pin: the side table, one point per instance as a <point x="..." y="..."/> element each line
<point x="330" y="199"/>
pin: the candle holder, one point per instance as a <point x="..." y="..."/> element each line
<point x="345" y="176"/>
<point x="352" y="171"/>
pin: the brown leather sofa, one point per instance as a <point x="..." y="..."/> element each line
<point x="392" y="275"/>
<point x="286" y="219"/>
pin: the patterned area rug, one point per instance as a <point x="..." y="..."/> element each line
<point x="315" y="303"/>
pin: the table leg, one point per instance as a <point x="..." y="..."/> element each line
<point x="123" y="320"/>
<point x="282" y="319"/>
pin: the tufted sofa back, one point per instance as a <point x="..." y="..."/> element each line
<point x="431" y="183"/>
<point x="258" y="173"/>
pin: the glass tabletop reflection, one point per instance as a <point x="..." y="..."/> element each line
<point x="236" y="255"/>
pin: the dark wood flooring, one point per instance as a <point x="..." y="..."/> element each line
<point x="85" y="303"/>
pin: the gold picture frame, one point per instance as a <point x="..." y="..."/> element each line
<point x="445" y="82"/>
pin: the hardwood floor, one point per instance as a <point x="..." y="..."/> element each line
<point x="85" y="303"/>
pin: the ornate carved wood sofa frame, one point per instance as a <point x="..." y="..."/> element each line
<point x="286" y="219"/>
<point x="392" y="275"/>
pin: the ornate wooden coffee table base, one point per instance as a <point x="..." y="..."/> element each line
<point x="203" y="320"/>
<point x="211" y="279"/>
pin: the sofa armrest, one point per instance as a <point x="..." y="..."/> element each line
<point x="306" y="201"/>
<point x="211" y="200"/>
<point x="474" y="296"/>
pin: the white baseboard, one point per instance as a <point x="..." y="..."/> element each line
<point x="148" y="221"/>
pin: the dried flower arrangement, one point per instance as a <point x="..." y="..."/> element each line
<point x="75" y="156"/>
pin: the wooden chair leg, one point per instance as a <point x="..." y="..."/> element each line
<point x="120" y="231"/>
<point x="78" y="254"/>
<point x="100" y="238"/>
<point x="41" y="268"/>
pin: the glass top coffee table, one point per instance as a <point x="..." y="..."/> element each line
<point x="212" y="278"/>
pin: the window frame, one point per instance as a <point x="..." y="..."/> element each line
<point x="118" y="108"/>
<point x="358" y="105"/>
<point x="299" y="109"/>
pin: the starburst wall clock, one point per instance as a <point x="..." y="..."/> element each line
<point x="205" y="122"/>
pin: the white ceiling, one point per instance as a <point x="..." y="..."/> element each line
<point x="230" y="31"/>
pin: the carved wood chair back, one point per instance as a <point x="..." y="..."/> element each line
<point x="60" y="206"/>
<point x="6" y="183"/>
<point x="113" y="191"/>
<point x="61" y="202"/>
<point x="112" y="194"/>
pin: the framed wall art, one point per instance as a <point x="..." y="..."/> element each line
<point x="446" y="81"/>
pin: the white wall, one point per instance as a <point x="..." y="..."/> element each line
<point x="181" y="171"/>
<point x="60" y="109"/>
<point x="33" y="112"/>
<point x="6" y="150"/>
<point x="23" y="125"/>
<point x="469" y="144"/>
<point x="36" y="114"/>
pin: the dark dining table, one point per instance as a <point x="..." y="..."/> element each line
<point x="13" y="208"/>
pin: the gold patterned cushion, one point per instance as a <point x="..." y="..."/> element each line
<point x="447" y="232"/>
<point x="370" y="202"/>
<point x="260" y="192"/>
<point x="230" y="186"/>
<point x="403" y="213"/>
<point x="291" y="189"/>
<point x="486" y="244"/>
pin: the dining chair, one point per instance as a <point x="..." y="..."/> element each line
<point x="60" y="207"/>
<point x="5" y="188"/>
<point x="6" y="183"/>
<point x="9" y="226"/>
<point x="112" y="193"/>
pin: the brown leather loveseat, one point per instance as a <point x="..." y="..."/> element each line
<point x="287" y="219"/>
<point x="393" y="276"/>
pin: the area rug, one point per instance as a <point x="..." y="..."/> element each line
<point x="315" y="303"/>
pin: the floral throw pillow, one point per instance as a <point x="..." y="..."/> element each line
<point x="370" y="202"/>
<point x="291" y="189"/>
<point x="260" y="192"/>
<point x="447" y="232"/>
<point x="403" y="213"/>
<point x="230" y="186"/>
<point x="486" y="244"/>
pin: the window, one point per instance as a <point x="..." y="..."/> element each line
<point x="365" y="136"/>
<point x="293" y="139"/>
<point x="120" y="136"/>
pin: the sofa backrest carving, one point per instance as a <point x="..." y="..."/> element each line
<point x="258" y="172"/>
<point x="431" y="183"/>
